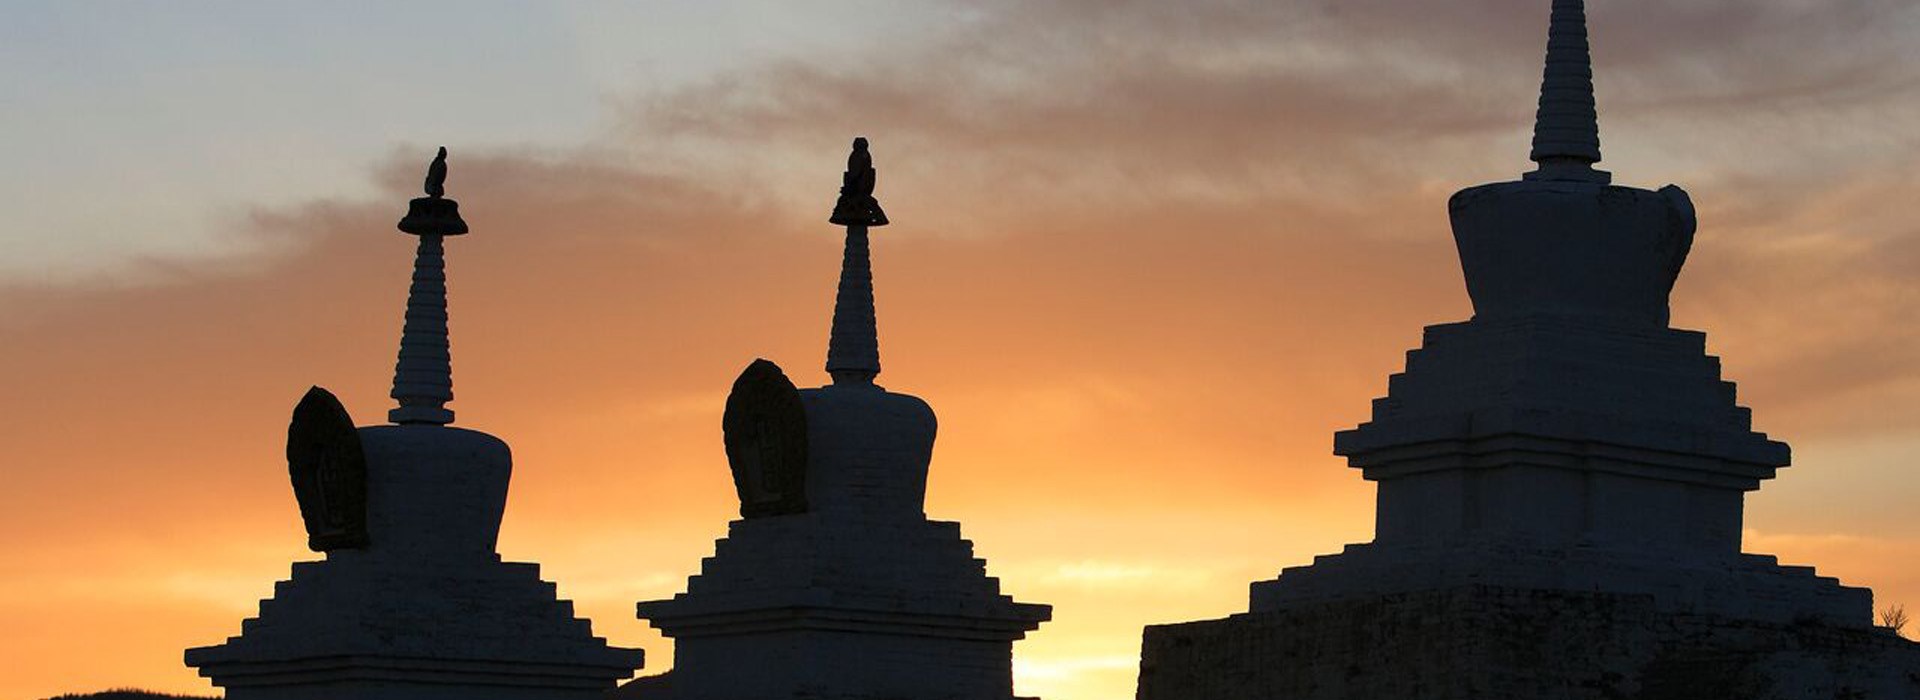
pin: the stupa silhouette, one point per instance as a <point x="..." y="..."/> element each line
<point x="1561" y="482"/>
<point x="412" y="602"/>
<point x="834" y="585"/>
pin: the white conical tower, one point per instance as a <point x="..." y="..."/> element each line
<point x="1566" y="416"/>
<point x="1560" y="486"/>
<point x="834" y="584"/>
<point x="412" y="601"/>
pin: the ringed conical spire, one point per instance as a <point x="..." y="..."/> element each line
<point x="1566" y="129"/>
<point x="423" y="376"/>
<point x="853" y="348"/>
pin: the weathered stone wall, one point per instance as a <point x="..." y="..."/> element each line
<point x="1484" y="643"/>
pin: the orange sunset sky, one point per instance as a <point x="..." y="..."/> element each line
<point x="1146" y="257"/>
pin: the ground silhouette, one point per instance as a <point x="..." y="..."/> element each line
<point x="128" y="694"/>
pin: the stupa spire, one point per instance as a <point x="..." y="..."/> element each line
<point x="853" y="348"/>
<point x="1566" y="130"/>
<point x="423" y="377"/>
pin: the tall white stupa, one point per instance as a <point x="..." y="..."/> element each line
<point x="1561" y="484"/>
<point x="412" y="602"/>
<point x="834" y="584"/>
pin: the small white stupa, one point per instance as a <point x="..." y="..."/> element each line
<point x="412" y="602"/>
<point x="1561" y="482"/>
<point x="834" y="585"/>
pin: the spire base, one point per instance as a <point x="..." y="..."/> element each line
<point x="853" y="377"/>
<point x="417" y="415"/>
<point x="1568" y="169"/>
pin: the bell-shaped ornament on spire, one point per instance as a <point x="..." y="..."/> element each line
<point x="857" y="206"/>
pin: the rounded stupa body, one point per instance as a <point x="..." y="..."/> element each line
<point x="1570" y="248"/>
<point x="871" y="449"/>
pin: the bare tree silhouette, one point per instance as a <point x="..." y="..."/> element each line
<point x="1894" y="619"/>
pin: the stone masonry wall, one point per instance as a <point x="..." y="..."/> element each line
<point x="1483" y="643"/>
<point x="829" y="665"/>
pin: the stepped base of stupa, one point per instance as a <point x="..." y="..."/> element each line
<point x="841" y="609"/>
<point x="1485" y="642"/>
<point x="1738" y="586"/>
<point x="360" y="626"/>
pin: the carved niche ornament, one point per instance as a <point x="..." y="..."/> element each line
<point x="766" y="435"/>
<point x="329" y="470"/>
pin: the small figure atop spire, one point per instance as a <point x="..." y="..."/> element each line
<point x="857" y="206"/>
<point x="1566" y="130"/>
<point x="434" y="214"/>
<point x="437" y="175"/>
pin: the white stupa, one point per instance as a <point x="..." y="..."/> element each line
<point x="834" y="585"/>
<point x="412" y="601"/>
<point x="1561" y="482"/>
<point x="1565" y="437"/>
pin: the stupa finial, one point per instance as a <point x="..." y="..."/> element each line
<point x="423" y="377"/>
<point x="437" y="175"/>
<point x="853" y="348"/>
<point x="1566" y="130"/>
<point x="857" y="207"/>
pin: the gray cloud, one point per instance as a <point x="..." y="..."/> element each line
<point x="1357" y="117"/>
